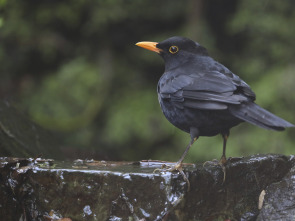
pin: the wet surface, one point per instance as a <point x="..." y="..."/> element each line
<point x="279" y="201"/>
<point x="38" y="189"/>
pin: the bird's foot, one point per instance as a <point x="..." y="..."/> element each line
<point x="176" y="167"/>
<point x="166" y="168"/>
<point x="223" y="160"/>
<point x="221" y="163"/>
<point x="214" y="161"/>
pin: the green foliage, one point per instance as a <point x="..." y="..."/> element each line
<point x="266" y="24"/>
<point x="74" y="94"/>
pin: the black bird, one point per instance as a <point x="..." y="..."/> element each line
<point x="202" y="97"/>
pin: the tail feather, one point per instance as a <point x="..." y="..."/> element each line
<point x="256" y="115"/>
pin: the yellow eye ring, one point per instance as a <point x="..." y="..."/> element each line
<point x="173" y="49"/>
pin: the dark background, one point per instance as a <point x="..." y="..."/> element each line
<point x="73" y="68"/>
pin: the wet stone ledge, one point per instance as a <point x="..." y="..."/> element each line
<point x="97" y="190"/>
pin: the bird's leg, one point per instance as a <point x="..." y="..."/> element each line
<point x="223" y="157"/>
<point x="178" y="165"/>
<point x="222" y="161"/>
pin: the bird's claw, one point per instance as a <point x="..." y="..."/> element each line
<point x="215" y="162"/>
<point x="224" y="171"/>
<point x="221" y="163"/>
<point x="176" y="167"/>
<point x="164" y="168"/>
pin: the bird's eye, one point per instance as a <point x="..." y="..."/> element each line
<point x="173" y="49"/>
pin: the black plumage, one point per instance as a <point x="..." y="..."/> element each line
<point x="202" y="97"/>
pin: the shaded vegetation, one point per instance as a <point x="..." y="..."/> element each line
<point x="73" y="68"/>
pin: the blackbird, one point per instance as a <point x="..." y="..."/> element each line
<point x="202" y="97"/>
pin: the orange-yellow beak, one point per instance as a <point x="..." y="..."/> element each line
<point x="149" y="45"/>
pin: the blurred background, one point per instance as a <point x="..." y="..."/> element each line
<point x="72" y="68"/>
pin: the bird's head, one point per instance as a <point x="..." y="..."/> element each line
<point x="175" y="50"/>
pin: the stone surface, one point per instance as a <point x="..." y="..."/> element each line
<point x="98" y="190"/>
<point x="279" y="201"/>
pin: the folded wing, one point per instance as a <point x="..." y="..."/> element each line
<point x="210" y="90"/>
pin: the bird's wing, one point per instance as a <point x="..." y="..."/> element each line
<point x="209" y="90"/>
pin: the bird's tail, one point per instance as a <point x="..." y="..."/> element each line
<point x="256" y="115"/>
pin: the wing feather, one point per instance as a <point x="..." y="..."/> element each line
<point x="209" y="90"/>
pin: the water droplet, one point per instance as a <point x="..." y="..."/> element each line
<point x="87" y="210"/>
